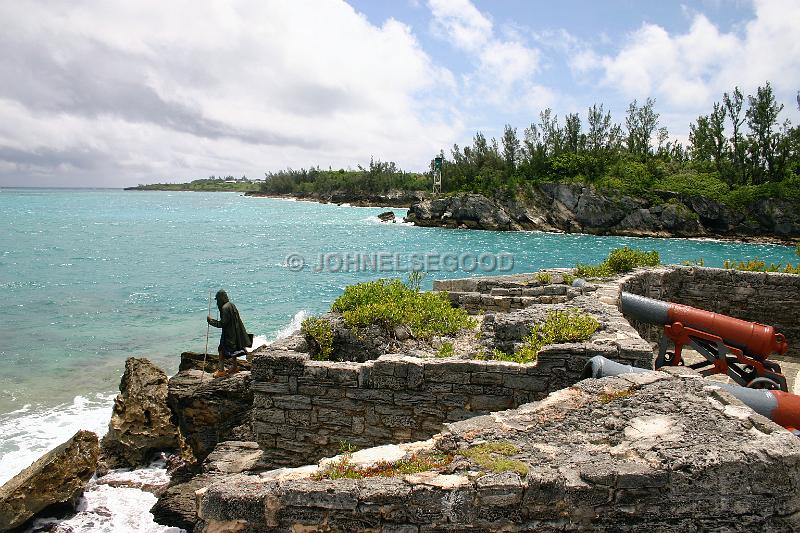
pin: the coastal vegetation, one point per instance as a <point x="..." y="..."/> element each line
<point x="756" y="265"/>
<point x="389" y="303"/>
<point x="420" y="462"/>
<point x="210" y="184"/>
<point x="619" y="261"/>
<point x="496" y="457"/>
<point x="740" y="152"/>
<point x="320" y="334"/>
<point x="559" y="326"/>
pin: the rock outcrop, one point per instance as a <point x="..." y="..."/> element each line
<point x="196" y="361"/>
<point x="387" y="216"/>
<point x="209" y="411"/>
<point x="177" y="505"/>
<point x="659" y="451"/>
<point x="581" y="208"/>
<point x="141" y="423"/>
<point x="55" y="481"/>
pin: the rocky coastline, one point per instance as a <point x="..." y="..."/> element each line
<point x="576" y="208"/>
<point x="579" y="208"/>
<point x="463" y="443"/>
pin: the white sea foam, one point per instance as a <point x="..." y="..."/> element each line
<point x="293" y="326"/>
<point x="108" y="507"/>
<point x="29" y="432"/>
<point x="115" y="502"/>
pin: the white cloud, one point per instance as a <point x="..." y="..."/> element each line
<point x="505" y="68"/>
<point x="461" y="22"/>
<point x="689" y="70"/>
<point x="138" y="90"/>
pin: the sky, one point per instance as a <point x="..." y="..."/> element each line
<point x="111" y="94"/>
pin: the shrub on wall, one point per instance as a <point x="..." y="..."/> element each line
<point x="619" y="260"/>
<point x="390" y="303"/>
<point x="319" y="333"/>
<point x="560" y="326"/>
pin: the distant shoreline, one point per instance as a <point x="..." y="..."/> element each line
<point x="405" y="199"/>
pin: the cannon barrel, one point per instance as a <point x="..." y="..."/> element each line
<point x="781" y="407"/>
<point x="757" y="339"/>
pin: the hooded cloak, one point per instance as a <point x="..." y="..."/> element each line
<point x="234" y="335"/>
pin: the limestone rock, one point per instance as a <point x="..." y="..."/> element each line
<point x="141" y="423"/>
<point x="177" y="505"/>
<point x="194" y="361"/>
<point x="387" y="216"/>
<point x="582" y="208"/>
<point x="643" y="452"/>
<point x="209" y="411"/>
<point x="58" y="478"/>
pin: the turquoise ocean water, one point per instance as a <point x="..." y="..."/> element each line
<point x="91" y="277"/>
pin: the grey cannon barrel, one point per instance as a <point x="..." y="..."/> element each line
<point x="763" y="402"/>
<point x="644" y="309"/>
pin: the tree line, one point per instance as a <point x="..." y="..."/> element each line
<point x="740" y="151"/>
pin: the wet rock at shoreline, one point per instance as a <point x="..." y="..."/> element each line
<point x="387" y="216"/>
<point x="177" y="505"/>
<point x="55" y="481"/>
<point x="208" y="410"/>
<point x="574" y="207"/>
<point x="141" y="423"/>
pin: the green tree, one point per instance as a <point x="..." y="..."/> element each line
<point x="599" y="129"/>
<point x="511" y="149"/>
<point x="572" y="133"/>
<point x="762" y="119"/>
<point x="700" y="143"/>
<point x="733" y="106"/>
<point x="716" y="129"/>
<point x="641" y="122"/>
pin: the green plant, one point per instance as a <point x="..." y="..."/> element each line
<point x="567" y="279"/>
<point x="607" y="397"/>
<point x="560" y="326"/>
<point x="619" y="260"/>
<point x="544" y="277"/>
<point x="346" y="447"/>
<point x="445" y="350"/>
<point x="756" y="265"/>
<point x="696" y="262"/>
<point x="420" y="462"/>
<point x="389" y="303"/>
<point x="414" y="280"/>
<point x="319" y="333"/>
<point x="626" y="259"/>
<point x="495" y="456"/>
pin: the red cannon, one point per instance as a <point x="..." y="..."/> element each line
<point x="731" y="346"/>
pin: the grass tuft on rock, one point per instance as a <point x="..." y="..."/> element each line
<point x="608" y="397"/>
<point x="319" y="333"/>
<point x="619" y="261"/>
<point x="756" y="265"/>
<point x="421" y="462"/>
<point x="495" y="456"/>
<point x="571" y="325"/>
<point x="390" y="303"/>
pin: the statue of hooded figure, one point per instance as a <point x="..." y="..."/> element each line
<point x="234" y="338"/>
